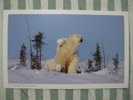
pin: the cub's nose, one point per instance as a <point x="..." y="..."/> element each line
<point x="81" y="40"/>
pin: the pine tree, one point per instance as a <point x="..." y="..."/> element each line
<point x="90" y="64"/>
<point x="97" y="57"/>
<point x="104" y="56"/>
<point x="116" y="61"/>
<point x="38" y="42"/>
<point x="23" y="57"/>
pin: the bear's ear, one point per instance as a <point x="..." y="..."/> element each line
<point x="61" y="41"/>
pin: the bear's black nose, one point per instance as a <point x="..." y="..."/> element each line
<point x="81" y="40"/>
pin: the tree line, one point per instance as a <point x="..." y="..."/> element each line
<point x="98" y="61"/>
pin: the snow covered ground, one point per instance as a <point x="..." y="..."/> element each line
<point x="23" y="74"/>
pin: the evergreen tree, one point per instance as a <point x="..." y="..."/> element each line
<point x="116" y="61"/>
<point x="97" y="57"/>
<point x="23" y="57"/>
<point x="104" y="56"/>
<point x="90" y="64"/>
<point x="38" y="43"/>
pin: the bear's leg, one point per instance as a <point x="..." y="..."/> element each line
<point x="58" y="67"/>
<point x="72" y="68"/>
<point x="51" y="65"/>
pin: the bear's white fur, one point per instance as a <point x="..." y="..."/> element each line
<point x="66" y="58"/>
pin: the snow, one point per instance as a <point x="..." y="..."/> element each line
<point x="102" y="72"/>
<point x="23" y="74"/>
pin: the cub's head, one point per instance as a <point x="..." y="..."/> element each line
<point x="61" y="41"/>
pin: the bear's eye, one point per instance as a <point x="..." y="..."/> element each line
<point x="61" y="45"/>
<point x="81" y="40"/>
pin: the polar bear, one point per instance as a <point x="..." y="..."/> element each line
<point x="67" y="59"/>
<point x="51" y="64"/>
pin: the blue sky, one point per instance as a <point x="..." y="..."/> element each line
<point x="103" y="29"/>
